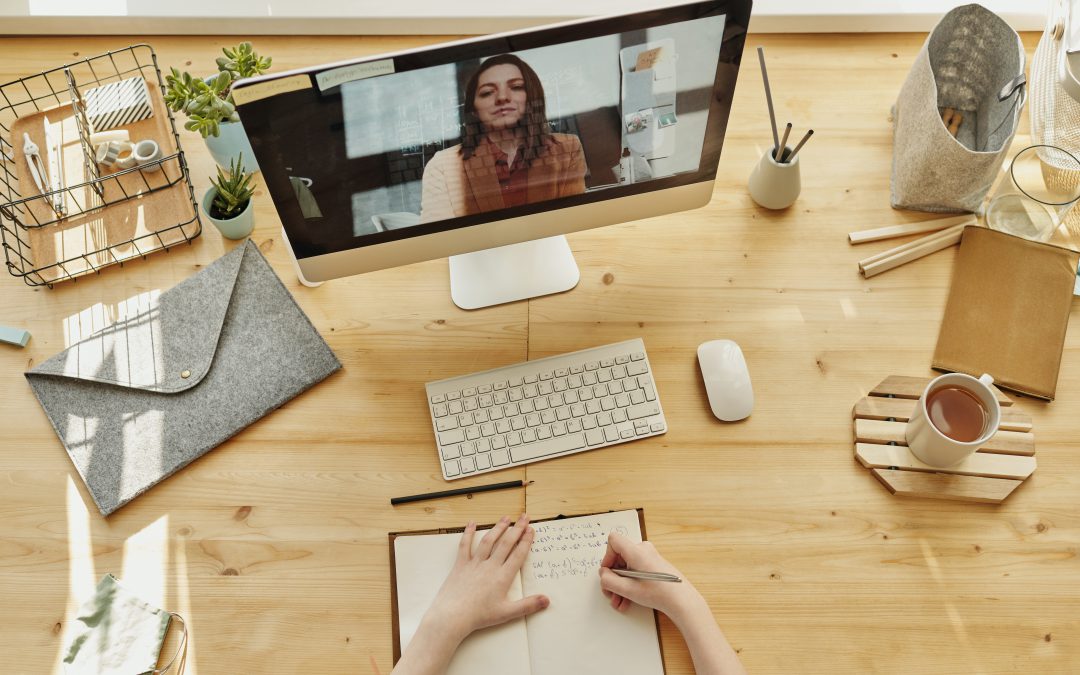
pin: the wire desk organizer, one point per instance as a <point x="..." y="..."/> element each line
<point x="116" y="214"/>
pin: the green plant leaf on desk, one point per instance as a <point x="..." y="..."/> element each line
<point x="207" y="102"/>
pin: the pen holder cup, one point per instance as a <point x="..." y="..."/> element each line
<point x="775" y="185"/>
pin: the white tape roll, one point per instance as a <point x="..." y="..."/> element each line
<point x="106" y="154"/>
<point x="147" y="151"/>
<point x="125" y="158"/>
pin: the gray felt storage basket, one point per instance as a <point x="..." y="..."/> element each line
<point x="972" y="62"/>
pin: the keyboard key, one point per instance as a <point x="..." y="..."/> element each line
<point x="603" y="376"/>
<point x="562" y="444"/>
<point x="518" y="423"/>
<point x="451" y="451"/>
<point x="629" y="384"/>
<point x="483" y="462"/>
<point x="608" y="403"/>
<point x="500" y="457"/>
<point x="657" y="427"/>
<point x="515" y="394"/>
<point x="453" y="396"/>
<point x="517" y="381"/>
<point x="588" y="379"/>
<point x="576" y="369"/>
<point x="451" y="437"/>
<point x="626" y="433"/>
<point x="495" y="414"/>
<point x="530" y="379"/>
<point x="592" y="365"/>
<point x="472" y="433"/>
<point x="455" y="408"/>
<point x="622" y="400"/>
<point x="513" y="439"/>
<point x="469" y="391"/>
<point x="562" y="372"/>
<point x="642" y="410"/>
<point x="547" y="376"/>
<point x="603" y="419"/>
<point x="547" y="417"/>
<point x="544" y="388"/>
<point x="637" y="396"/>
<point x="569" y="397"/>
<point x="558" y="429"/>
<point x="606" y="363"/>
<point x="637" y="356"/>
<point x="585" y="394"/>
<point x="574" y="381"/>
<point x="530" y="391"/>
<point x="611" y="434"/>
<point x="541" y="403"/>
<point x="479" y="417"/>
<point x="625" y="358"/>
<point x="637" y="368"/>
<point x="615" y="387"/>
<point x="446" y="424"/>
<point x="451" y="468"/>
<point x="543" y="433"/>
<point x="618" y="415"/>
<point x="471" y="404"/>
<point x="528" y="435"/>
<point x="594" y="436"/>
<point x="486" y="401"/>
<point x="464" y="420"/>
<point x="577" y="410"/>
<point x="592" y="407"/>
<point x="510" y="409"/>
<point x="559" y="385"/>
<point x="501" y="385"/>
<point x="483" y="445"/>
<point x="588" y="422"/>
<point x="526" y="407"/>
<point x="484" y="389"/>
<point x="573" y="426"/>
<point x="563" y="413"/>
<point x="501" y="398"/>
<point x="438" y="398"/>
<point x="502" y="426"/>
<point x="497" y="443"/>
<point x="618" y="372"/>
<point x="468" y="449"/>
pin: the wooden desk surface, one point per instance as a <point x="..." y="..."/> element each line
<point x="274" y="546"/>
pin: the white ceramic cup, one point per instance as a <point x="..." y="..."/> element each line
<point x="933" y="447"/>
<point x="775" y="185"/>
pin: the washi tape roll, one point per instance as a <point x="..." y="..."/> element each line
<point x="126" y="157"/>
<point x="146" y="152"/>
<point x="106" y="154"/>
<point x="102" y="137"/>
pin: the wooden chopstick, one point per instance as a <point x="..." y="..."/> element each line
<point x="907" y="246"/>
<point x="905" y="229"/>
<point x="926" y="246"/>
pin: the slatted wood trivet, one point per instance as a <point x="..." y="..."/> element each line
<point x="990" y="475"/>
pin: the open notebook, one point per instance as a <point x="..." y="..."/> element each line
<point x="578" y="633"/>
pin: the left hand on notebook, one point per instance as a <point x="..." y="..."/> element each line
<point x="474" y="594"/>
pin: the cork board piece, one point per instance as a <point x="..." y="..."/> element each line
<point x="988" y="476"/>
<point x="123" y="230"/>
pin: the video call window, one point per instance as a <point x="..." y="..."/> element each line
<point x="531" y="126"/>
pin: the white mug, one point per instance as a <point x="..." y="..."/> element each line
<point x="933" y="447"/>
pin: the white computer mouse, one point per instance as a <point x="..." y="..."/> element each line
<point x="727" y="380"/>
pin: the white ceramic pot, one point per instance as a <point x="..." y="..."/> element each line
<point x="775" y="185"/>
<point x="232" y="228"/>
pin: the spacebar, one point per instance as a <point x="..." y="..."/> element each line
<point x="524" y="453"/>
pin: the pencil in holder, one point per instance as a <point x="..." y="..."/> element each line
<point x="773" y="184"/>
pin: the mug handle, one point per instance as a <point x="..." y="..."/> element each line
<point x="986" y="379"/>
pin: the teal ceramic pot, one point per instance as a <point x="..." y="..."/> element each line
<point x="233" y="228"/>
<point x="230" y="142"/>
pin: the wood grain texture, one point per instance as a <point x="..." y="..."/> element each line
<point x="274" y="544"/>
<point x="977" y="464"/>
<point x="955" y="487"/>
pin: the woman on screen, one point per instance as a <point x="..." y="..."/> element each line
<point x="508" y="155"/>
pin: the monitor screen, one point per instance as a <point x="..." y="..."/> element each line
<point x="388" y="148"/>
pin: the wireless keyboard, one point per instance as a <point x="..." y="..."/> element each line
<point x="546" y="408"/>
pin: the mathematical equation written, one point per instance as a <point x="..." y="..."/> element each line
<point x="568" y="550"/>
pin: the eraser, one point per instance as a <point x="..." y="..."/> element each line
<point x="14" y="336"/>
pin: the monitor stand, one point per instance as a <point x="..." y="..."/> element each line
<point x="515" y="272"/>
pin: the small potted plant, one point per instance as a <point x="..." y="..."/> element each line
<point x="208" y="103"/>
<point x="228" y="201"/>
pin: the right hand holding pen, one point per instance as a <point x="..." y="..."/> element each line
<point x="622" y="552"/>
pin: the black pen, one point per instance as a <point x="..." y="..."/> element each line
<point x="460" y="491"/>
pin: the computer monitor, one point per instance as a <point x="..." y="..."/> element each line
<point x="487" y="150"/>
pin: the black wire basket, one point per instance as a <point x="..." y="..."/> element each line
<point x="24" y="218"/>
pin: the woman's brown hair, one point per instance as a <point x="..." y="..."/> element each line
<point x="534" y="122"/>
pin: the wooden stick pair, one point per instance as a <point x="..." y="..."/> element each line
<point x="913" y="250"/>
<point x="891" y="231"/>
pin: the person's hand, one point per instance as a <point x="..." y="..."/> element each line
<point x="672" y="599"/>
<point x="474" y="594"/>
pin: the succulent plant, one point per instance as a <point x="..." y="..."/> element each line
<point x="208" y="102"/>
<point x="234" y="190"/>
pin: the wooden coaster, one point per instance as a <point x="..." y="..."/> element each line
<point x="990" y="475"/>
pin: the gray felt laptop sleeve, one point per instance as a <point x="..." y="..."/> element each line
<point x="143" y="398"/>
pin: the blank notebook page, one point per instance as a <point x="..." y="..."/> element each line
<point x="422" y="562"/>
<point x="580" y="633"/>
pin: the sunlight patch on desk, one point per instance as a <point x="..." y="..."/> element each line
<point x="182" y="603"/>
<point x="848" y="308"/>
<point x="99" y="316"/>
<point x="146" y="561"/>
<point x="81" y="575"/>
<point x="143" y="446"/>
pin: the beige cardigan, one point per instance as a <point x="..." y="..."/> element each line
<point x="454" y="187"/>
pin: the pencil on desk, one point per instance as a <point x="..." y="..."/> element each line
<point x="394" y="501"/>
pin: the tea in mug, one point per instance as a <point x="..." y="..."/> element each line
<point x="957" y="413"/>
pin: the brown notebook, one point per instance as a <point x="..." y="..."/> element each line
<point x="579" y="632"/>
<point x="1008" y="310"/>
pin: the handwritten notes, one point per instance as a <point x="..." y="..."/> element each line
<point x="570" y="549"/>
